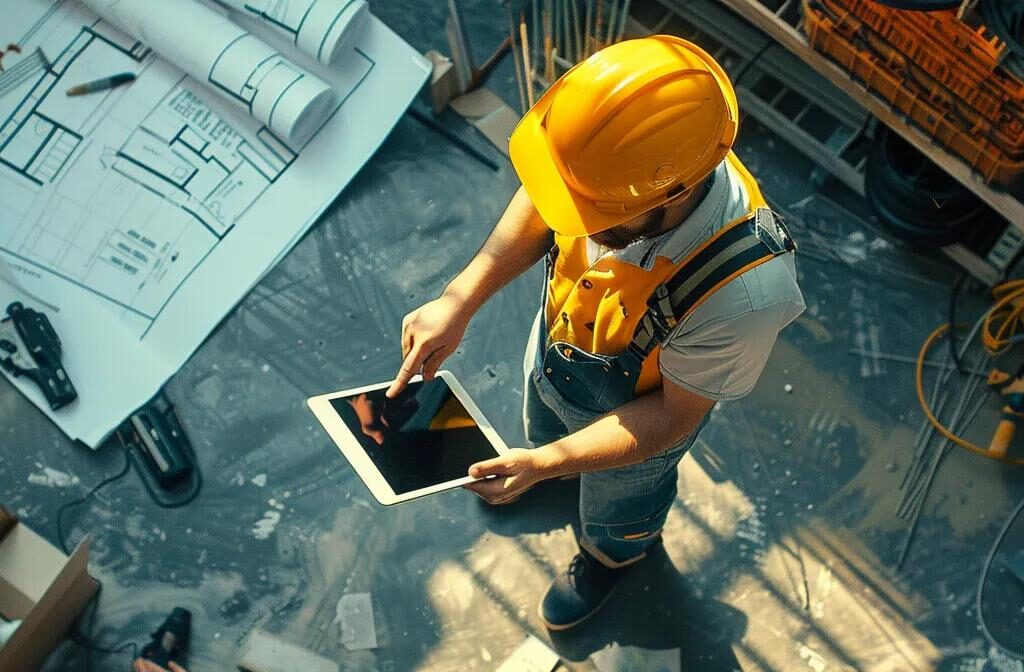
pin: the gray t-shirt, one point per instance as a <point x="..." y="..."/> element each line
<point x="720" y="350"/>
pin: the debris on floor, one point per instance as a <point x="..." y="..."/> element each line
<point x="532" y="655"/>
<point x="615" y="658"/>
<point x="355" y="615"/>
<point x="263" y="652"/>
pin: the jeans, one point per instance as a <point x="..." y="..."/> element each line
<point x="622" y="511"/>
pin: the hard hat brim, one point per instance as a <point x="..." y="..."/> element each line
<point x="562" y="209"/>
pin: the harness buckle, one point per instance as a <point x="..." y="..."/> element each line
<point x="772" y="232"/>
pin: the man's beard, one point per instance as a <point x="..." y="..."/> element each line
<point x="622" y="236"/>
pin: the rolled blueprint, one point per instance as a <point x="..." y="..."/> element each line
<point x="208" y="46"/>
<point x="320" y="28"/>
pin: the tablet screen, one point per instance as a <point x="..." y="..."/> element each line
<point x="423" y="437"/>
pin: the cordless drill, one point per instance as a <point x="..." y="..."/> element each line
<point x="170" y="640"/>
<point x="1011" y="387"/>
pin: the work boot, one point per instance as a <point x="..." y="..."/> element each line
<point x="576" y="595"/>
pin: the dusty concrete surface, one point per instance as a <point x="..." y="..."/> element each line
<point x="780" y="551"/>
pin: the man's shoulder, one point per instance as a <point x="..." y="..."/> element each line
<point x="769" y="288"/>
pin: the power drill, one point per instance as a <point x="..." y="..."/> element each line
<point x="170" y="640"/>
<point x="1012" y="389"/>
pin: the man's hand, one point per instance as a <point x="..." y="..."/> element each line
<point x="514" y="473"/>
<point x="430" y="334"/>
<point x="141" y="665"/>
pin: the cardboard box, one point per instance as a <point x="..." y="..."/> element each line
<point x="43" y="588"/>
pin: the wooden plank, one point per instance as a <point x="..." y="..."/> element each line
<point x="788" y="36"/>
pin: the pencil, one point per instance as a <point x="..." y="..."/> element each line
<point x="102" y="84"/>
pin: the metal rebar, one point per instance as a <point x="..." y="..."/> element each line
<point x="517" y="59"/>
<point x="941" y="454"/>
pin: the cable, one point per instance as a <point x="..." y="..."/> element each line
<point x="942" y="429"/>
<point x="1008" y="311"/>
<point x="82" y="500"/>
<point x="85" y="641"/>
<point x="954" y="296"/>
<point x="984" y="576"/>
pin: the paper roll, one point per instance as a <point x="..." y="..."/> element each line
<point x="320" y="28"/>
<point x="292" y="102"/>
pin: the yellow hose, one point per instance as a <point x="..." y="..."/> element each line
<point x="935" y="335"/>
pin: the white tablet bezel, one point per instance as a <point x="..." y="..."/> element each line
<point x="361" y="462"/>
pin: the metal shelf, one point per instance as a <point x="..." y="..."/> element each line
<point x="792" y="39"/>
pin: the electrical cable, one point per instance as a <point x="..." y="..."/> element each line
<point x="954" y="296"/>
<point x="79" y="638"/>
<point x="984" y="576"/>
<point x="1009" y="311"/>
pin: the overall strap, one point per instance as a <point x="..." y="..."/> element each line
<point x="745" y="243"/>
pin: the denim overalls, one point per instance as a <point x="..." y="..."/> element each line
<point x="623" y="510"/>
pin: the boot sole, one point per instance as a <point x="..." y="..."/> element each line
<point x="566" y="626"/>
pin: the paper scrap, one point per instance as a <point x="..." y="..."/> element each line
<point x="615" y="658"/>
<point x="532" y="655"/>
<point x="354" y="614"/>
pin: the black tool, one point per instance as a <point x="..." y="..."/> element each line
<point x="30" y="347"/>
<point x="170" y="640"/>
<point x="158" y="434"/>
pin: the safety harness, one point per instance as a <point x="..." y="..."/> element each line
<point x="742" y="245"/>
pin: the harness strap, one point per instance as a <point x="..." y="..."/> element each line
<point x="745" y="243"/>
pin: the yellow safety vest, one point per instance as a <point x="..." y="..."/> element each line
<point x="597" y="307"/>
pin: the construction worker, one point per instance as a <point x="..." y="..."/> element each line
<point x="667" y="283"/>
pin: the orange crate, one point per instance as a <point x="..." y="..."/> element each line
<point x="991" y="163"/>
<point x="1004" y="126"/>
<point x="1000" y="120"/>
<point x="950" y="50"/>
<point x="951" y="34"/>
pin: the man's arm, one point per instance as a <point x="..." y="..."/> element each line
<point x="519" y="240"/>
<point x="432" y="332"/>
<point x="628" y="435"/>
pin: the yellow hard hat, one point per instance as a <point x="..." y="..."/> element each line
<point x="623" y="132"/>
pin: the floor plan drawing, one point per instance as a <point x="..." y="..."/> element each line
<point x="164" y="195"/>
<point x="152" y="208"/>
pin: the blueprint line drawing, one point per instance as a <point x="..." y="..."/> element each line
<point x="211" y="48"/>
<point x="137" y="217"/>
<point x="320" y="28"/>
<point x="180" y="156"/>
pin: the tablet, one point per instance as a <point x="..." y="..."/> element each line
<point x="419" y="443"/>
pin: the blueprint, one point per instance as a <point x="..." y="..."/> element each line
<point x="320" y="28"/>
<point x="211" y="48"/>
<point x="138" y="217"/>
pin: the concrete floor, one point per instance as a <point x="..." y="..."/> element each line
<point x="780" y="551"/>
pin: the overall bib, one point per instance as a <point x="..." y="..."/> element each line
<point x="599" y="341"/>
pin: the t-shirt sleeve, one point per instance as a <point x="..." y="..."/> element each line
<point x="723" y="358"/>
